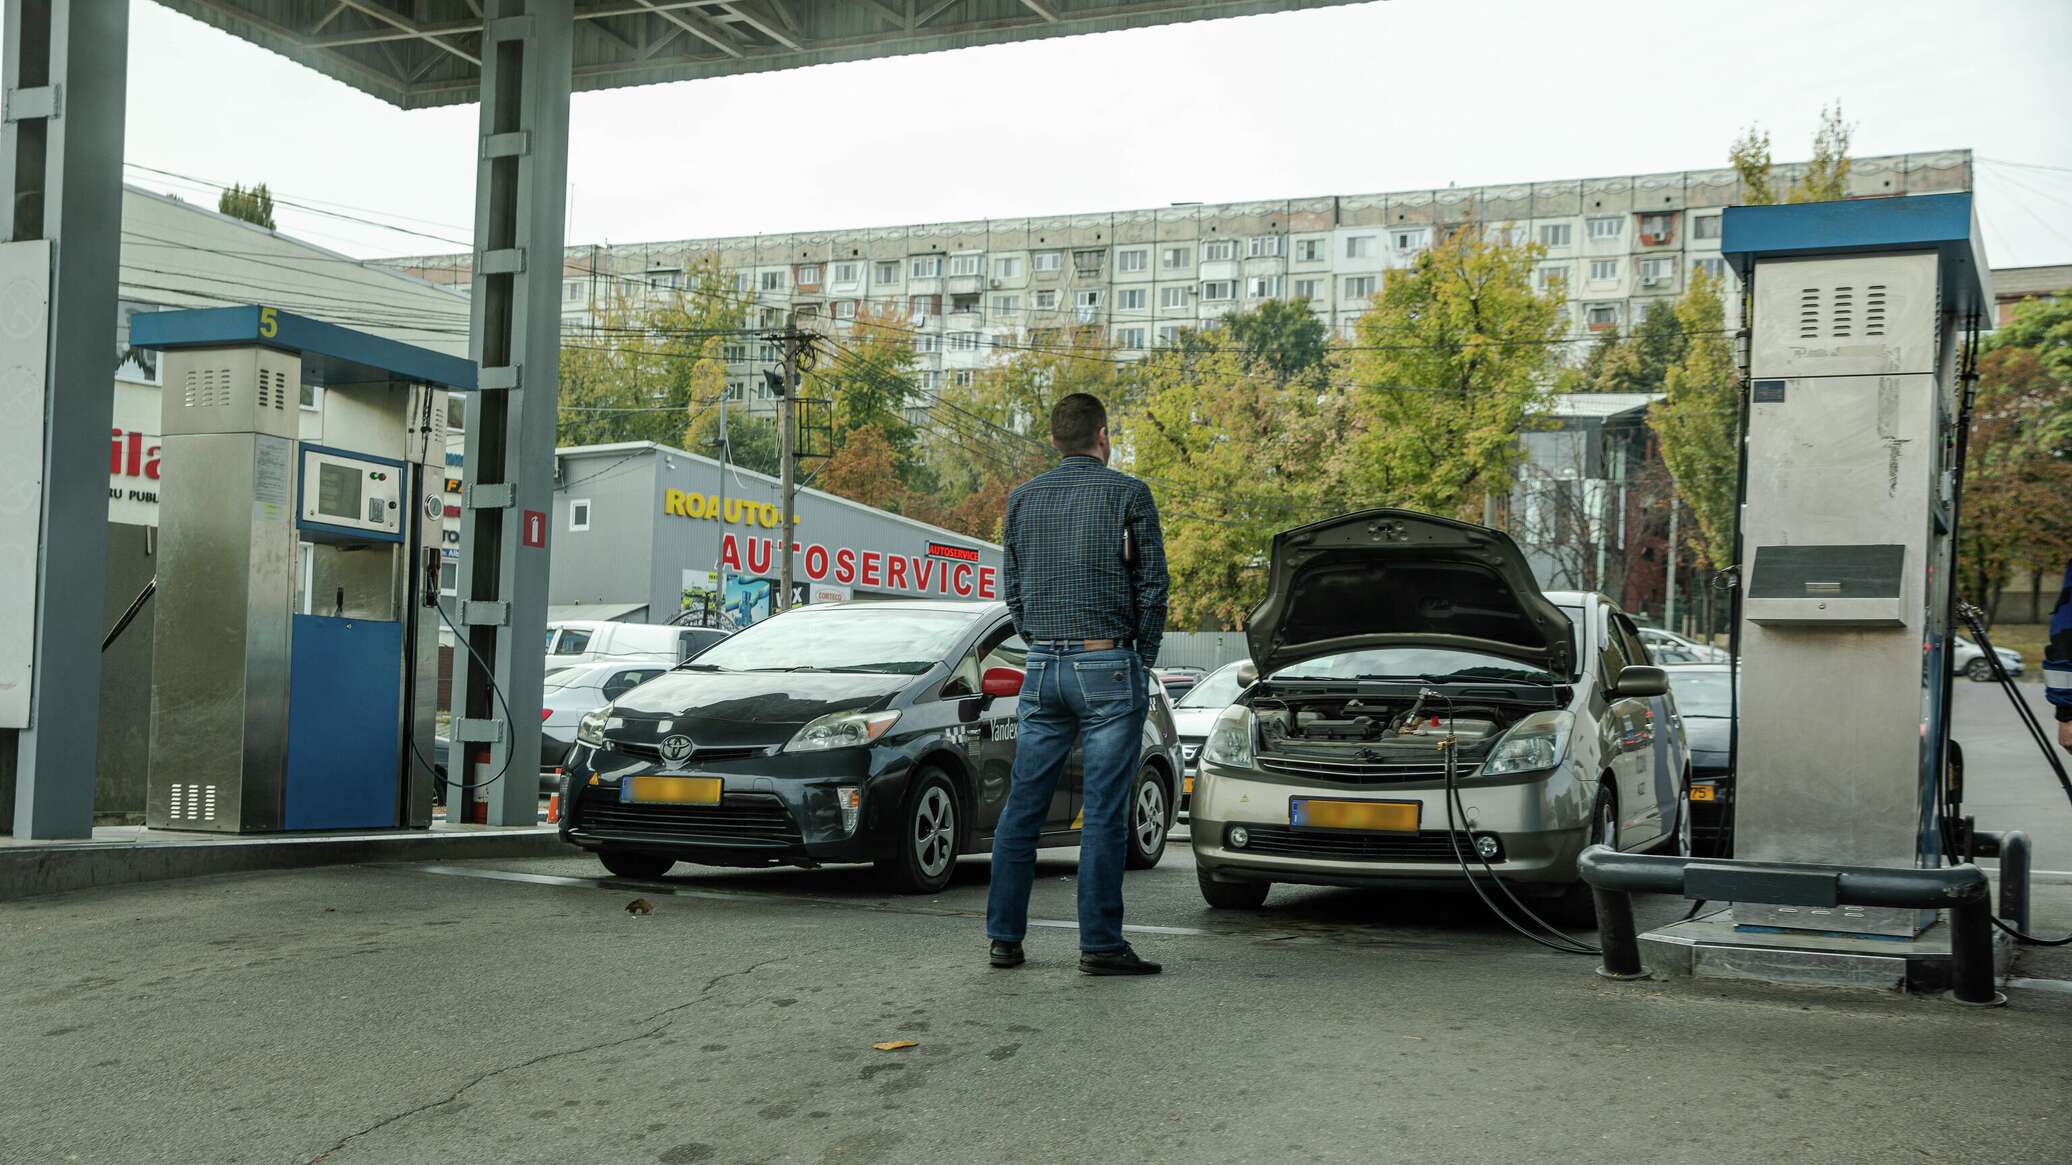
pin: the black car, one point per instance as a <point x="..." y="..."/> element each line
<point x="1703" y="696"/>
<point x="846" y="732"/>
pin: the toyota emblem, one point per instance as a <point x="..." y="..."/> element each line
<point x="676" y="749"/>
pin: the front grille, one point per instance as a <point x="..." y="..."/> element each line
<point x="1190" y="748"/>
<point x="748" y="819"/>
<point x="1360" y="771"/>
<point x="649" y="752"/>
<point x="1430" y="846"/>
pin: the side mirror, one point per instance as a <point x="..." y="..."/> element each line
<point x="1247" y="674"/>
<point x="1001" y="682"/>
<point x="1638" y="681"/>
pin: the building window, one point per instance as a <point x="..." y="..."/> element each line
<point x="927" y="342"/>
<point x="733" y="353"/>
<point x="1359" y="287"/>
<point x="1175" y="259"/>
<point x="924" y="305"/>
<point x="929" y="379"/>
<point x="1509" y="236"/>
<point x="1556" y="234"/>
<point x="1309" y="250"/>
<point x="967" y="264"/>
<point x="1088" y="262"/>
<point x="809" y="275"/>
<point x="961" y="377"/>
<point x="1219" y="289"/>
<point x="1219" y="251"/>
<point x="1608" y="227"/>
<point x="1657" y="228"/>
<point x="847" y="272"/>
<point x="925" y="267"/>
<point x="1172" y="297"/>
<point x="887" y="271"/>
<point x="1008" y="267"/>
<point x="1168" y="335"/>
<point x="1705" y="226"/>
<point x="1716" y="268"/>
<point x="736" y="389"/>
<point x="1130" y="299"/>
<point x="1547" y="277"/>
<point x="770" y="317"/>
<point x="963" y="341"/>
<point x="769" y="353"/>
<point x="1654" y="272"/>
<point x="744" y="280"/>
<point x="1601" y="316"/>
<point x="1603" y="270"/>
<point x="1263" y="247"/>
<point x="1359" y="247"/>
<point x="772" y="281"/>
<point x="1263" y="287"/>
<point x="966" y="301"/>
<point x="1046" y="300"/>
<point x="1309" y="288"/>
<point x="579" y="514"/>
<point x="1047" y="261"/>
<point x="1129" y="337"/>
<point x="845" y="309"/>
<point x="1408" y="240"/>
<point x="572" y="290"/>
<point x="1005" y="304"/>
<point x="1134" y="259"/>
<point x="1086" y="303"/>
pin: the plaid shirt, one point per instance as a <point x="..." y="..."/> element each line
<point x="1065" y="576"/>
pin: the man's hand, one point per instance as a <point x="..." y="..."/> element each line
<point x="2065" y="735"/>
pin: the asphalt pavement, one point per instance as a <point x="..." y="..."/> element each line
<point x="2010" y="785"/>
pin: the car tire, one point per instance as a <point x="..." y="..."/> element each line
<point x="633" y="864"/>
<point x="1150" y="819"/>
<point x="1978" y="671"/>
<point x="924" y="854"/>
<point x="1575" y="907"/>
<point x="1231" y="895"/>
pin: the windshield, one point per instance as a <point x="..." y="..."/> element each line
<point x="562" y="677"/>
<point x="1432" y="663"/>
<point x="1575" y="632"/>
<point x="1219" y="690"/>
<point x="874" y="637"/>
<point x="1701" y="693"/>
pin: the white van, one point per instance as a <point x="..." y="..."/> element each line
<point x="571" y="642"/>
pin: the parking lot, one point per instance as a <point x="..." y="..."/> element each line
<point x="516" y="1011"/>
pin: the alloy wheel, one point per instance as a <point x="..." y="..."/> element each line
<point x="1149" y="818"/>
<point x="935" y="831"/>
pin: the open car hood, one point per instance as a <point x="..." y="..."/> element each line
<point x="1397" y="578"/>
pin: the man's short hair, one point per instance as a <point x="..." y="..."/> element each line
<point x="1075" y="420"/>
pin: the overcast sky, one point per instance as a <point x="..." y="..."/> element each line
<point x="1400" y="95"/>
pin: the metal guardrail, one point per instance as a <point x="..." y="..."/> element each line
<point x="1961" y="890"/>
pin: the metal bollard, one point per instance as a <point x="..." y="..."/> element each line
<point x="2014" y="879"/>
<point x="1616" y="935"/>
<point x="1971" y="952"/>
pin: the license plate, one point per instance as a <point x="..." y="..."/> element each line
<point x="1701" y="792"/>
<point x="1187" y="786"/>
<point x="671" y="790"/>
<point x="1366" y="816"/>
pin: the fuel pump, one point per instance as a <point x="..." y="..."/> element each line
<point x="295" y="675"/>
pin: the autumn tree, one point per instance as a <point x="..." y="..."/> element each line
<point x="1698" y="424"/>
<point x="870" y="383"/>
<point x="649" y="363"/>
<point x="253" y="205"/>
<point x="865" y="469"/>
<point x="2017" y="473"/>
<point x="1827" y="174"/>
<point x="1447" y="369"/>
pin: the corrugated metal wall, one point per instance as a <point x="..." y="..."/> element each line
<point x="1207" y="650"/>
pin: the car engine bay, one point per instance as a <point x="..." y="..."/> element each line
<point x="1359" y="733"/>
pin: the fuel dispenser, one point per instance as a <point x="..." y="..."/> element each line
<point x="295" y="675"/>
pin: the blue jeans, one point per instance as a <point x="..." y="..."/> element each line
<point x="1069" y="693"/>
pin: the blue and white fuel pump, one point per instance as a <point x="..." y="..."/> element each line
<point x="294" y="684"/>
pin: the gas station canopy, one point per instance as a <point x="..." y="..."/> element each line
<point x="422" y="53"/>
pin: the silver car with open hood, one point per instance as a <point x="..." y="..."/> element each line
<point x="1386" y="633"/>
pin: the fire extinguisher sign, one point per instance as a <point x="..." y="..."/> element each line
<point x="535" y="531"/>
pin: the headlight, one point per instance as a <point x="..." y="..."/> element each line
<point x="842" y="730"/>
<point x="1537" y="742"/>
<point x="590" y="729"/>
<point x="1230" y="739"/>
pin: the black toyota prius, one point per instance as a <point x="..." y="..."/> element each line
<point x="878" y="732"/>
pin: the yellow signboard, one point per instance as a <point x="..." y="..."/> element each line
<point x="735" y="511"/>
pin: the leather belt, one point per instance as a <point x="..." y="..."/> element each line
<point x="1082" y="644"/>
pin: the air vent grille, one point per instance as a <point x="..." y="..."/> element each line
<point x="192" y="803"/>
<point x="1844" y="312"/>
<point x="205" y="388"/>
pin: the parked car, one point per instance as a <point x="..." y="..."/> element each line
<point x="1669" y="647"/>
<point x="879" y="732"/>
<point x="1195" y="713"/>
<point x="578" y="641"/>
<point x="1969" y="659"/>
<point x="1704" y="700"/>
<point x="1177" y="679"/>
<point x="570" y="692"/>
<point x="1382" y="633"/>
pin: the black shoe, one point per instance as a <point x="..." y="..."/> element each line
<point x="1122" y="962"/>
<point x="1006" y="954"/>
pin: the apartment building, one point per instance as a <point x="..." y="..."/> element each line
<point x="973" y="292"/>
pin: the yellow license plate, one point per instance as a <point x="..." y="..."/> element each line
<point x="1371" y="816"/>
<point x="1701" y="792"/>
<point x="671" y="790"/>
<point x="1187" y="786"/>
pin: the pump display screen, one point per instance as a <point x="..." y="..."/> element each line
<point x="338" y="490"/>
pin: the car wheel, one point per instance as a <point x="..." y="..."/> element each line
<point x="924" y="854"/>
<point x="1576" y="907"/>
<point x="1231" y="895"/>
<point x="1147" y="820"/>
<point x="1978" y="671"/>
<point x="628" y="864"/>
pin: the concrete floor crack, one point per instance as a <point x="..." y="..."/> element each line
<point x="651" y="1032"/>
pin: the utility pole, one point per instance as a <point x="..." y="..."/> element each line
<point x="1669" y="591"/>
<point x="719" y="553"/>
<point x="787" y="461"/>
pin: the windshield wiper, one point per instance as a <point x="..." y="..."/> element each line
<point x="1490" y="673"/>
<point x="688" y="665"/>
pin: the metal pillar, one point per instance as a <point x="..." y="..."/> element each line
<point x="515" y="335"/>
<point x="61" y="122"/>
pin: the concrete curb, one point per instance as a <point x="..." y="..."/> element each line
<point x="31" y="870"/>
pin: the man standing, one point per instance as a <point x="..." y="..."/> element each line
<point x="2057" y="662"/>
<point x="1086" y="582"/>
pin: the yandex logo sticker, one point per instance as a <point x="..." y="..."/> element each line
<point x="871" y="569"/>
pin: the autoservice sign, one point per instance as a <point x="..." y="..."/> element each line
<point x="955" y="576"/>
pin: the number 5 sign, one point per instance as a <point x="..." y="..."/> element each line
<point x="534" y="530"/>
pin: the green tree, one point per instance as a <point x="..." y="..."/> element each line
<point x="649" y="364"/>
<point x="871" y="384"/>
<point x="1638" y="362"/>
<point x="1050" y="363"/>
<point x="1827" y="175"/>
<point x="1698" y="425"/>
<point x="751" y="438"/>
<point x="1281" y="336"/>
<point x="253" y="206"/>
<point x="2044" y="326"/>
<point x="1448" y="368"/>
